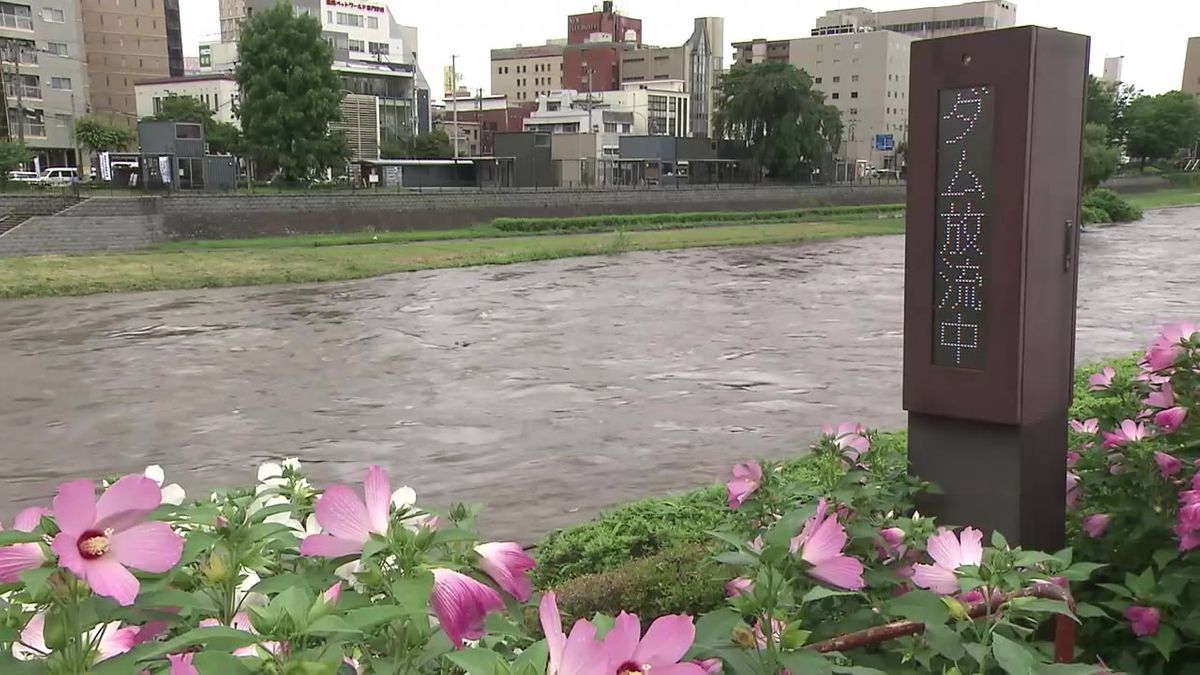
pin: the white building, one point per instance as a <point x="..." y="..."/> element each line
<point x="218" y="92"/>
<point x="218" y="57"/>
<point x="653" y="108"/>
<point x="1112" y="69"/>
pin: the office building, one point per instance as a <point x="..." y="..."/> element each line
<point x="218" y="57"/>
<point x="921" y="22"/>
<point x="232" y="12"/>
<point x="126" y="42"/>
<point x="376" y="57"/>
<point x="698" y="62"/>
<point x="595" y="41"/>
<point x="1112" y="69"/>
<point x="218" y="92"/>
<point x="45" y="78"/>
<point x="759" y="50"/>
<point x="1191" y="67"/>
<point x="524" y="73"/>
<point x="495" y="114"/>
<point x="656" y="108"/>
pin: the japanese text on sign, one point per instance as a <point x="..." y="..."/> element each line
<point x="348" y="4"/>
<point x="963" y="215"/>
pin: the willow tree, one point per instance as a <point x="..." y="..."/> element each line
<point x="773" y="108"/>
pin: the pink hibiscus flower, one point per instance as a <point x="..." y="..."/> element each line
<point x="820" y="544"/>
<point x="577" y="654"/>
<point x="241" y="621"/>
<point x="348" y="522"/>
<point x="111" y="639"/>
<point x="1171" y="419"/>
<point x="508" y="565"/>
<point x="1163" y="398"/>
<point x="1187" y="524"/>
<point x="461" y="604"/>
<point x="1167" y="465"/>
<point x="949" y="552"/>
<point x="746" y="479"/>
<point x="181" y="664"/>
<point x="739" y="586"/>
<point x="1086" y="427"/>
<point x="99" y="539"/>
<point x="1128" y="432"/>
<point x="1101" y="380"/>
<point x="850" y="437"/>
<point x="1168" y="346"/>
<point x="658" y="651"/>
<point x="19" y="558"/>
<point x="1143" y="620"/>
<point x="1096" y="524"/>
<point x="1072" y="492"/>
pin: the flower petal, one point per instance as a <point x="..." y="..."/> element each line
<point x="936" y="578"/>
<point x="66" y="547"/>
<point x="155" y="473"/>
<point x="75" y="506"/>
<point x="151" y="547"/>
<point x="28" y="519"/>
<point x="17" y="559"/>
<point x="461" y="605"/>
<point x="109" y="578"/>
<point x="343" y="514"/>
<point x="826" y="542"/>
<point x="329" y="546"/>
<point x="943" y="547"/>
<point x="173" y="494"/>
<point x="841" y="571"/>
<point x="181" y="664"/>
<point x="583" y="654"/>
<point x="377" y="492"/>
<point x="666" y="641"/>
<point x="33" y="640"/>
<point x="971" y="547"/>
<point x="551" y="622"/>
<point x="127" y="502"/>
<point x="404" y="497"/>
<point x="116" y="640"/>
<point x="622" y="640"/>
<point x="508" y="565"/>
<point x="688" y="668"/>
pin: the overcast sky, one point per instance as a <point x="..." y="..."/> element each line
<point x="1150" y="34"/>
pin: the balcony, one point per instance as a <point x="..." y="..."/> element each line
<point x="27" y="91"/>
<point x="17" y="21"/>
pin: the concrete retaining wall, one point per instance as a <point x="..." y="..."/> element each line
<point x="236" y="216"/>
<point x="94" y="226"/>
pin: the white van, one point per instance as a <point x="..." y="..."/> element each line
<point x="59" y="176"/>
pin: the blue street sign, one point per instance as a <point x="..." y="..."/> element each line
<point x="885" y="142"/>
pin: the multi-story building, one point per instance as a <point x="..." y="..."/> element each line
<point x="698" y="62"/>
<point x="1113" y="65"/>
<point x="218" y="57"/>
<point x="655" y="108"/>
<point x="126" y="42"/>
<point x="44" y="75"/>
<point x="232" y="12"/>
<point x="595" y="41"/>
<point x="217" y="91"/>
<point x="864" y="75"/>
<point x="495" y="114"/>
<point x="921" y="22"/>
<point x="607" y="20"/>
<point x="375" y="57"/>
<point x="524" y="73"/>
<point x="1191" y="67"/>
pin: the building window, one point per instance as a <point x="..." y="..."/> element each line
<point x="853" y="111"/>
<point x="344" y="19"/>
<point x="16" y="16"/>
<point x="53" y="15"/>
<point x="373" y="22"/>
<point x="818" y="80"/>
<point x="836" y="95"/>
<point x="854" y="78"/>
<point x="854" y="94"/>
<point x="837" y="78"/>
<point x="57" y="48"/>
<point x="356" y="46"/>
<point x="60" y="83"/>
<point x="378" y="47"/>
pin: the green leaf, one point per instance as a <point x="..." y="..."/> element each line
<point x="998" y="540"/>
<point x="715" y="629"/>
<point x="534" y="657"/>
<point x="278" y="583"/>
<point x="1117" y="590"/>
<point x="195" y="544"/>
<point x="781" y="532"/>
<point x="1013" y="657"/>
<point x="807" y="662"/>
<point x="945" y="641"/>
<point x="9" y="537"/>
<point x="373" y="547"/>
<point x="295" y="602"/>
<point x="1088" y="611"/>
<point x="736" y="558"/>
<point x="1043" y="605"/>
<point x="977" y="650"/>
<point x="856" y="670"/>
<point x="1166" y="641"/>
<point x="1066" y="669"/>
<point x="1164" y="556"/>
<point x="332" y="626"/>
<point x="219" y="663"/>
<point x="35" y="580"/>
<point x="413" y="593"/>
<point x="1142" y="584"/>
<point x="1031" y="558"/>
<point x="921" y="606"/>
<point x="216" y="638"/>
<point x="1081" y="571"/>
<point x="264" y="531"/>
<point x="268" y="511"/>
<point x="732" y="538"/>
<point x="453" y="535"/>
<point x="169" y="597"/>
<point x="475" y="661"/>
<point x="369" y="617"/>
<point x="820" y="593"/>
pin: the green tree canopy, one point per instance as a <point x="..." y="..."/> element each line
<point x="12" y="156"/>
<point x="1157" y="127"/>
<point x="290" y="94"/>
<point x="1100" y="159"/>
<point x="96" y="134"/>
<point x="222" y="137"/>
<point x="773" y="108"/>
<point x="432" y="145"/>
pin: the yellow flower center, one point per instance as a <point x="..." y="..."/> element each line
<point x="94" y="544"/>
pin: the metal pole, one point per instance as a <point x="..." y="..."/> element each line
<point x="454" y="99"/>
<point x="16" y="53"/>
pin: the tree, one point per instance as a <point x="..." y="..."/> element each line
<point x="1159" y="126"/>
<point x="1101" y="102"/>
<point x="222" y="137"/>
<point x="290" y="94"/>
<point x="773" y="109"/>
<point x="1100" y="159"/>
<point x="13" y="155"/>
<point x="96" y="134"/>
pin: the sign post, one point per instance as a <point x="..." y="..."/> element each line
<point x="994" y="179"/>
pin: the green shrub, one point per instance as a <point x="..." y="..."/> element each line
<point x="1090" y="215"/>
<point x="682" y="580"/>
<point x="663" y="220"/>
<point x="1184" y="180"/>
<point x="1117" y="209"/>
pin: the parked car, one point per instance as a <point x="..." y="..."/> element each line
<point x="23" y="176"/>
<point x="59" y="176"/>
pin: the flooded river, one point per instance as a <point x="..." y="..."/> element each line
<point x="545" y="390"/>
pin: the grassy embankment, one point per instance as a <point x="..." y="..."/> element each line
<point x="354" y="256"/>
<point x="243" y="262"/>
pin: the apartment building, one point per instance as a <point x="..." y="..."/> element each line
<point x="761" y="51"/>
<point x="1113" y="65"/>
<point x="217" y="91"/>
<point x="1191" y="67"/>
<point x="232" y="12"/>
<point x="698" y="63"/>
<point x="45" y="79"/>
<point x="127" y="41"/>
<point x="524" y="73"/>
<point x="921" y="22"/>
<point x="865" y="76"/>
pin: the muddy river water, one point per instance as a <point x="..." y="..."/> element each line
<point x="545" y="390"/>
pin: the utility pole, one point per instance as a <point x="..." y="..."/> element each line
<point x="454" y="99"/>
<point x="14" y="51"/>
<point x="588" y="70"/>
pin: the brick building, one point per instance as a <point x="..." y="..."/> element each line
<point x="494" y="114"/>
<point x="595" y="42"/>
